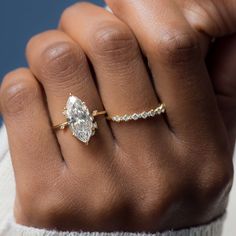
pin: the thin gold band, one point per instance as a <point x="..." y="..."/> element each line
<point x="98" y="113"/>
<point x="63" y="125"/>
<point x="136" y="116"/>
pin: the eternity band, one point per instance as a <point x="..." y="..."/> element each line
<point x="136" y="116"/>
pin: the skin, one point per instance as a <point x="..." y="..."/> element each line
<point x="169" y="172"/>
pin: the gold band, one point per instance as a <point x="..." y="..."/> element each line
<point x="142" y="115"/>
<point x="61" y="126"/>
<point x="98" y="113"/>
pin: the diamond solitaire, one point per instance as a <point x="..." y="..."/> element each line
<point x="80" y="121"/>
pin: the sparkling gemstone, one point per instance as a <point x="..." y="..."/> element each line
<point x="81" y="122"/>
<point x="139" y="116"/>
<point x="135" y="116"/>
<point x="163" y="109"/>
<point x="157" y="111"/>
<point x="117" y="118"/>
<point x="126" y="118"/>
<point x="152" y="113"/>
<point x="144" y="115"/>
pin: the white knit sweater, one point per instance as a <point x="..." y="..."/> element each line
<point x="9" y="228"/>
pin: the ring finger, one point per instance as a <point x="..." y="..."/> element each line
<point x="61" y="67"/>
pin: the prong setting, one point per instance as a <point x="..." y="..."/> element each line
<point x="79" y="119"/>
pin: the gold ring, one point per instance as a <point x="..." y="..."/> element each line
<point x="142" y="115"/>
<point x="79" y="119"/>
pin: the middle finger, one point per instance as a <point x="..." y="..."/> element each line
<point x="177" y="64"/>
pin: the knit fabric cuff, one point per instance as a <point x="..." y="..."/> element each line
<point x="212" y="229"/>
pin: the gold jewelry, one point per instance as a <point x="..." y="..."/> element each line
<point x="78" y="118"/>
<point x="136" y="116"/>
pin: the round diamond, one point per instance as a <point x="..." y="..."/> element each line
<point x="152" y="113"/>
<point x="159" y="111"/>
<point x="163" y="109"/>
<point x="140" y="116"/>
<point x="144" y="115"/>
<point x="125" y="118"/>
<point x="116" y="118"/>
<point x="135" y="116"/>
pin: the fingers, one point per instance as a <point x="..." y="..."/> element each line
<point x="214" y="18"/>
<point x="123" y="81"/>
<point x="210" y="19"/>
<point x="174" y="55"/>
<point x="32" y="143"/>
<point x="61" y="66"/>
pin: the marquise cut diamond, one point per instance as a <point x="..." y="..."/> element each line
<point x="80" y="121"/>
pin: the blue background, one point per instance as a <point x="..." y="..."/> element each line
<point x="21" y="19"/>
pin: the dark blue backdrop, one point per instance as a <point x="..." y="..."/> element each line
<point x="19" y="20"/>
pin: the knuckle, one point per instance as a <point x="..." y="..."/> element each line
<point x="17" y="92"/>
<point x="110" y="199"/>
<point x="62" y="61"/>
<point x="176" y="47"/>
<point x="30" y="204"/>
<point x="51" y="208"/>
<point x="46" y="208"/>
<point x="151" y="202"/>
<point x="144" y="208"/>
<point x="215" y="180"/>
<point x="114" y="41"/>
<point x="211" y="170"/>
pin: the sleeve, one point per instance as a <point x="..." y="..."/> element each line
<point x="212" y="229"/>
<point x="8" y="227"/>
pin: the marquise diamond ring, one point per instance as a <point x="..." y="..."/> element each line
<point x="79" y="119"/>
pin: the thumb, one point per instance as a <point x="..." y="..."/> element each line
<point x="211" y="19"/>
<point x="214" y="18"/>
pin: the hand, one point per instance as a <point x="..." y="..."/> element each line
<point x="135" y="176"/>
